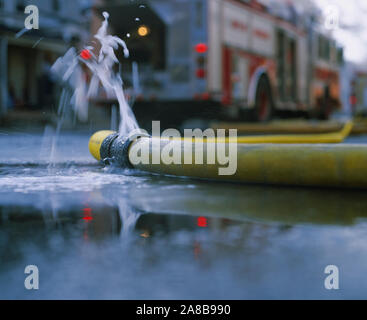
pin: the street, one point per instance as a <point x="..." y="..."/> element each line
<point x="106" y="233"/>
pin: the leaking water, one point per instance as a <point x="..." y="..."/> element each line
<point x="21" y="32"/>
<point x="68" y="68"/>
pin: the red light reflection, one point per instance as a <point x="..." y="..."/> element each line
<point x="87" y="214"/>
<point x="202" y="222"/>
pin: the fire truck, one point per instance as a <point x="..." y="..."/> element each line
<point x="250" y="59"/>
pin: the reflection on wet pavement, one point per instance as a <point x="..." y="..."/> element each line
<point x="106" y="233"/>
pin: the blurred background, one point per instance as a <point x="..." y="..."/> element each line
<point x="192" y="61"/>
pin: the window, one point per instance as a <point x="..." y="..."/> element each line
<point x="293" y="69"/>
<point x="334" y="52"/>
<point x="281" y="63"/>
<point x="327" y="50"/>
<point x="340" y="56"/>
<point x="320" y="46"/>
<point x="324" y="48"/>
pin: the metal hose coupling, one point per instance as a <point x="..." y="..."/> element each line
<point x="111" y="148"/>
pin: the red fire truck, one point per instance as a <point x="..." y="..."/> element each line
<point x="251" y="59"/>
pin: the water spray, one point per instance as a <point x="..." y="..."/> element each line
<point x="68" y="69"/>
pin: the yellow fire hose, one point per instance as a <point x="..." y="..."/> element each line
<point x="280" y="127"/>
<point x="334" y="137"/>
<point x="278" y="160"/>
<point x="291" y="127"/>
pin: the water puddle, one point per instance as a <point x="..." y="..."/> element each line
<point x="114" y="243"/>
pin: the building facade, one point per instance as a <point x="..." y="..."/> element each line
<point x="26" y="57"/>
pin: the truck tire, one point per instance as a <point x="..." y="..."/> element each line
<point x="327" y="105"/>
<point x="263" y="110"/>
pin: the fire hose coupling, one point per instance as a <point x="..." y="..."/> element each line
<point x="111" y="148"/>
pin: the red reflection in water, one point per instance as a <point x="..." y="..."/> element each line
<point x="87" y="214"/>
<point x="202" y="222"/>
<point x="85" y="236"/>
<point x="197" y="250"/>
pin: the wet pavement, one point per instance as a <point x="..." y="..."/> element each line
<point x="106" y="233"/>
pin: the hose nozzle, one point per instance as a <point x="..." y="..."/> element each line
<point x="110" y="147"/>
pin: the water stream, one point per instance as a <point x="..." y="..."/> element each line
<point x="69" y="69"/>
<point x="76" y="92"/>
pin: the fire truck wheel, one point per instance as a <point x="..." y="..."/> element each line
<point x="263" y="110"/>
<point x="327" y="105"/>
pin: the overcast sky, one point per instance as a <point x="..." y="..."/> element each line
<point x="352" y="33"/>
